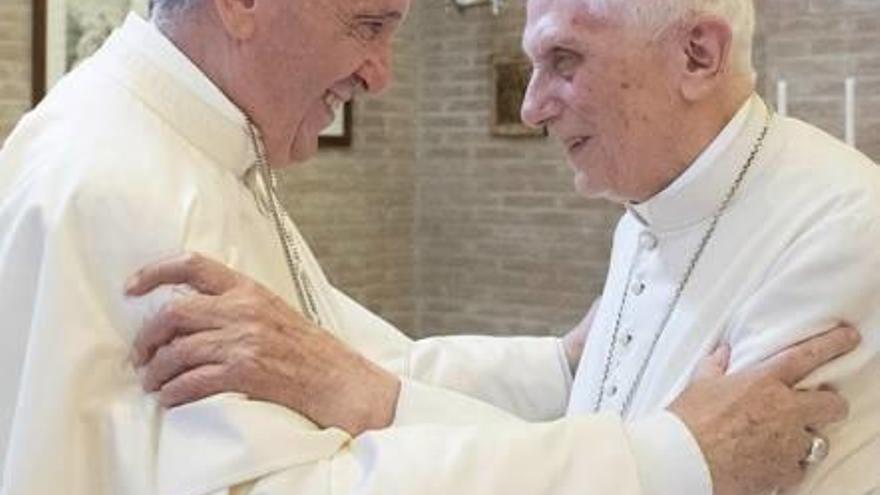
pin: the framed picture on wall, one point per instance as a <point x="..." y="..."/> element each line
<point x="67" y="31"/>
<point x="510" y="78"/>
<point x="339" y="132"/>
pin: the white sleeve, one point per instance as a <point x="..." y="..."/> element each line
<point x="527" y="376"/>
<point x="668" y="457"/>
<point x="830" y="274"/>
<point x="473" y="449"/>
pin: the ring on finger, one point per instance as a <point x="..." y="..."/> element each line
<point x="819" y="448"/>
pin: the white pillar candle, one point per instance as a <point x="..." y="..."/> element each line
<point x="782" y="97"/>
<point x="851" y="111"/>
<point x="496" y="7"/>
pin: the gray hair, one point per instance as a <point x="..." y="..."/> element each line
<point x="657" y="15"/>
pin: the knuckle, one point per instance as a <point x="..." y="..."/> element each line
<point x="173" y="312"/>
<point x="242" y="359"/>
<point x="837" y="407"/>
<point x="226" y="374"/>
<point x="228" y="368"/>
<point x="188" y="389"/>
<point x="811" y="353"/>
<point x="249" y="308"/>
<point x="161" y="357"/>
<point x="172" y="395"/>
<point x="204" y="383"/>
<point x="192" y="260"/>
<point x="178" y="351"/>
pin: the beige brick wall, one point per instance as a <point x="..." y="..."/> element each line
<point x="15" y="62"/>
<point x="815" y="45"/>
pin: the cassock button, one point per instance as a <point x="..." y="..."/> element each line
<point x="638" y="287"/>
<point x="648" y="241"/>
<point x="612" y="390"/>
<point x="626" y="339"/>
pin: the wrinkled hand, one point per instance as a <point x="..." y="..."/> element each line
<point x="754" y="427"/>
<point x="234" y="335"/>
<point x="574" y="341"/>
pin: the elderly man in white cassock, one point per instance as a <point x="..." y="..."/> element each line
<point x="165" y="141"/>
<point x="741" y="226"/>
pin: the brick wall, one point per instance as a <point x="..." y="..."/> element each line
<point x="15" y="62"/>
<point x="815" y="45"/>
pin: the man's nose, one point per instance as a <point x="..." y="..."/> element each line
<point x="376" y="72"/>
<point x="539" y="108"/>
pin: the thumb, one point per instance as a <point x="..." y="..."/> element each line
<point x="714" y="365"/>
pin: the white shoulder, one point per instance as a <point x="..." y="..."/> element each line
<point x="826" y="175"/>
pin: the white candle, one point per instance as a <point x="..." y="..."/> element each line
<point x="851" y="111"/>
<point x="782" y="97"/>
<point x="496" y="7"/>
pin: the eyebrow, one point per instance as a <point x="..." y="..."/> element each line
<point x="551" y="42"/>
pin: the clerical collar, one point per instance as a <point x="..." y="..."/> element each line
<point x="161" y="76"/>
<point x="696" y="193"/>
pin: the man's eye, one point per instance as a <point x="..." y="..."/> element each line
<point x="565" y="63"/>
<point x="371" y="30"/>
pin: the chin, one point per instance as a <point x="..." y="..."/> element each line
<point x="591" y="190"/>
<point x="282" y="161"/>
<point x="585" y="188"/>
<point x="300" y="153"/>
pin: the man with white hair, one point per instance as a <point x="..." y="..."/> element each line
<point x="741" y="227"/>
<point x="184" y="120"/>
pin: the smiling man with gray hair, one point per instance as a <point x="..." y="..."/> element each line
<point x="185" y="119"/>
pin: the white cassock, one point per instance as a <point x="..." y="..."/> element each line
<point x="797" y="251"/>
<point x="136" y="156"/>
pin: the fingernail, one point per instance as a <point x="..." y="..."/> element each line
<point x="854" y="335"/>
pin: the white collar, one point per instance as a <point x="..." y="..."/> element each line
<point x="696" y="194"/>
<point x="162" y="76"/>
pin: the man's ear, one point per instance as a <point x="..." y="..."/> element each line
<point x="238" y="17"/>
<point x="707" y="43"/>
